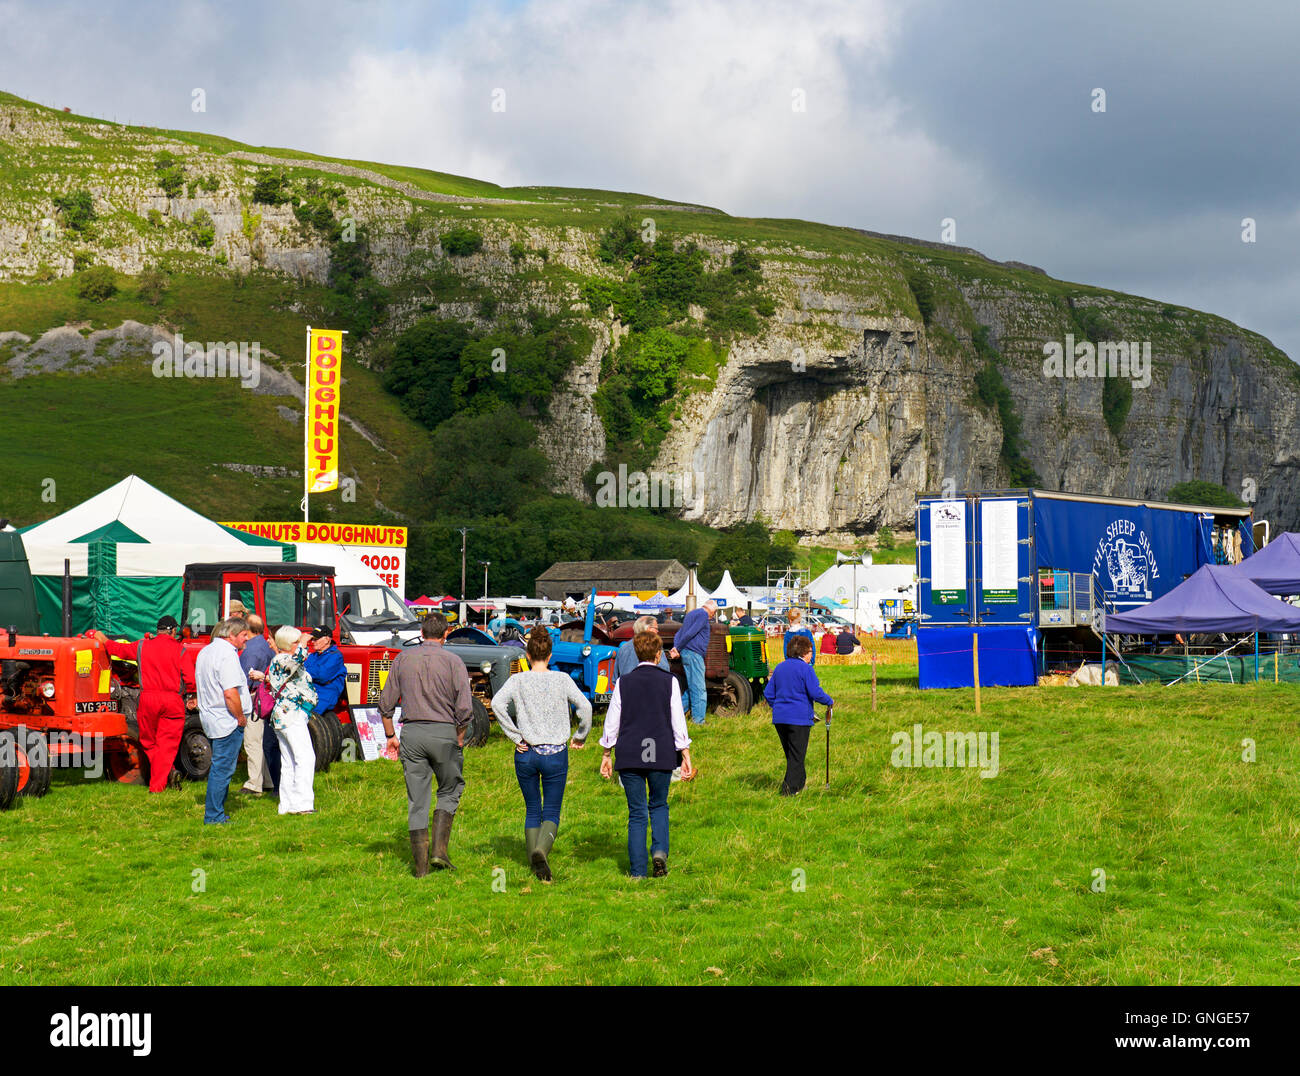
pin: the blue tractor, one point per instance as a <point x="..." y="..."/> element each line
<point x="585" y="654"/>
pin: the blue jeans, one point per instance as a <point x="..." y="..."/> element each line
<point x="635" y="785"/>
<point x="697" y="698"/>
<point x="541" y="780"/>
<point x="225" y="755"/>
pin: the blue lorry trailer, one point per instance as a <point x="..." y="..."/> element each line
<point x="1029" y="571"/>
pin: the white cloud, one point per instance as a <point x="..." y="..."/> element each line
<point x="690" y="101"/>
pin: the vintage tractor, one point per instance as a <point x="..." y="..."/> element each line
<point x="728" y="687"/>
<point x="57" y="711"/>
<point x="490" y="666"/>
<point x="748" y="657"/>
<point x="301" y="595"/>
<point x="584" y="651"/>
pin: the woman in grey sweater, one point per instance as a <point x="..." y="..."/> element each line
<point x="532" y="709"/>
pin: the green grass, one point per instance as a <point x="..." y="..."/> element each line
<point x="173" y="432"/>
<point x="912" y="876"/>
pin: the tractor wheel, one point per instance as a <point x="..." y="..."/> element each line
<point x="126" y="763"/>
<point x="736" y="697"/>
<point x="320" y="743"/>
<point x="8" y="768"/>
<point x="350" y="737"/>
<point x="194" y="758"/>
<point x="37" y="750"/>
<point x="335" y="728"/>
<point x="480" y="723"/>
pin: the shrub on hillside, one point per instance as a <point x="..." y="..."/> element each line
<point x="152" y="285"/>
<point x="271" y="187"/>
<point x="461" y="242"/>
<point x="1204" y="493"/>
<point x="202" y="229"/>
<point x="621" y="240"/>
<point x="97" y="283"/>
<point x="78" y="209"/>
<point x="170" y="171"/>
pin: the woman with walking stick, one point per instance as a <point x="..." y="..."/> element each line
<point x="791" y="691"/>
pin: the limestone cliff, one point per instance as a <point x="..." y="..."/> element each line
<point x="828" y="422"/>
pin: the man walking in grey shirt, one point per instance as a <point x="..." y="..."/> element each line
<point x="432" y="687"/>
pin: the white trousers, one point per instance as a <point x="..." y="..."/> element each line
<point x="297" y="769"/>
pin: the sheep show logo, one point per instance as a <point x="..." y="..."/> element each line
<point x="1128" y="559"/>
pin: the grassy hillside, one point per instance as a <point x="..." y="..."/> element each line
<point x="893" y="875"/>
<point x="528" y="253"/>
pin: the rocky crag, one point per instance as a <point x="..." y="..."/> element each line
<point x="869" y="382"/>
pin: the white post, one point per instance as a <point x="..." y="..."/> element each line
<point x="306" y="426"/>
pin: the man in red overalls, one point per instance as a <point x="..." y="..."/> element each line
<point x="166" y="676"/>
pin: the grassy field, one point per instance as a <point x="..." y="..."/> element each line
<point x="892" y="876"/>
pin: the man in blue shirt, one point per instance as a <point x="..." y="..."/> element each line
<point x="626" y="660"/>
<point x="690" y="644"/>
<point x="329" y="676"/>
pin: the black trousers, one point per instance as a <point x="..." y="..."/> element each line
<point x="794" y="742"/>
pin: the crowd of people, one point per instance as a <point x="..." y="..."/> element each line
<point x="246" y="679"/>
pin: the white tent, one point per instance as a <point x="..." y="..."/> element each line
<point x="678" y="597"/>
<point x="834" y="588"/>
<point x="127" y="548"/>
<point x="730" y="597"/>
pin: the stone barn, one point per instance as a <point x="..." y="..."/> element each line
<point x="575" y="578"/>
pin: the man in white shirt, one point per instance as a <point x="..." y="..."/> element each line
<point x="224" y="709"/>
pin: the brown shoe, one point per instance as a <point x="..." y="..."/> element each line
<point x="441" y="835"/>
<point x="420" y="851"/>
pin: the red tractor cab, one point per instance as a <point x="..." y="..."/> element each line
<point x="303" y="596"/>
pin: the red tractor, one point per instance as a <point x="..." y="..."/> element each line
<point x="58" y="710"/>
<point x="301" y="595"/>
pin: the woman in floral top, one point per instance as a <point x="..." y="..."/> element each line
<point x="295" y="699"/>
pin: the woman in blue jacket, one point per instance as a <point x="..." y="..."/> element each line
<point x="791" y="691"/>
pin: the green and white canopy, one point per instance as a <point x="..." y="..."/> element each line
<point x="127" y="549"/>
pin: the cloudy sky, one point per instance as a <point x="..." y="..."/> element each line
<point x="914" y="112"/>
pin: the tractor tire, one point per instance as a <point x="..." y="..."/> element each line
<point x="350" y="736"/>
<point x="480" y="723"/>
<point x="737" y="696"/>
<point x="320" y="743"/>
<point x="37" y="750"/>
<point x="335" y="728"/>
<point x="8" y="769"/>
<point x="194" y="758"/>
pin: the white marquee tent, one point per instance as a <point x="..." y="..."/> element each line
<point x="127" y="548"/>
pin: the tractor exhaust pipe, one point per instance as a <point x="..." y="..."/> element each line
<point x="67" y="598"/>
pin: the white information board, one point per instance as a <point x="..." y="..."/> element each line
<point x="948" y="569"/>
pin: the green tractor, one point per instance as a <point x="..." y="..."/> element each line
<point x="747" y="657"/>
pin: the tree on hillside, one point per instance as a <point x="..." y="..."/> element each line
<point x="78" y="209"/>
<point x="479" y="465"/>
<point x="746" y="550"/>
<point x="1206" y="493"/>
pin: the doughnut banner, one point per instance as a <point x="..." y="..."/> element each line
<point x="321" y="428"/>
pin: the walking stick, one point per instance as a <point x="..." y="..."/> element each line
<point x="829" y="711"/>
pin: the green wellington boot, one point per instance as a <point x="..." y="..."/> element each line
<point x="538" y="858"/>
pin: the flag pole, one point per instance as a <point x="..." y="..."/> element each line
<point x="306" y="425"/>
